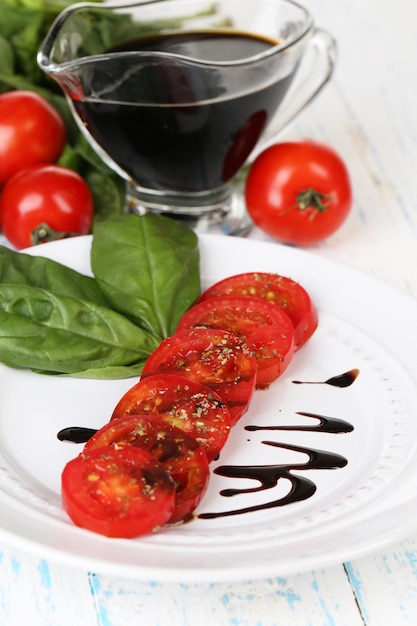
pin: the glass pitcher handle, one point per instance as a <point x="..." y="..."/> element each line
<point x="316" y="69"/>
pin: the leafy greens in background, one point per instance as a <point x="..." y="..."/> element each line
<point x="54" y="320"/>
<point x="23" y="26"/>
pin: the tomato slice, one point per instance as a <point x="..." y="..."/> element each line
<point x="216" y="358"/>
<point x="178" y="453"/>
<point x="117" y="493"/>
<point x="264" y="327"/>
<point x="281" y="290"/>
<point x="187" y="404"/>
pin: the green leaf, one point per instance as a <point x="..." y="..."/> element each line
<point x="35" y="271"/>
<point x="109" y="372"/>
<point x="6" y="57"/>
<point x="22" y="27"/>
<point x="70" y="158"/>
<point x="58" y="334"/>
<point x="107" y="188"/>
<point x="109" y="193"/>
<point x="148" y="268"/>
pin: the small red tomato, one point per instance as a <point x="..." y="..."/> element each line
<point x="31" y="132"/>
<point x="298" y="192"/>
<point x="43" y="203"/>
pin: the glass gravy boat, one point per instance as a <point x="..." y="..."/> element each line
<point x="177" y="95"/>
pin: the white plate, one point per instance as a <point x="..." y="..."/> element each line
<point x="358" y="508"/>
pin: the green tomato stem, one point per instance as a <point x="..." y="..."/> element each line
<point x="312" y="198"/>
<point x="44" y="233"/>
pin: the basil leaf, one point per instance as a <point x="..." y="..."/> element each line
<point x="24" y="25"/>
<point x="148" y="268"/>
<point x="35" y="271"/>
<point x="107" y="372"/>
<point x="6" y="57"/>
<point x="24" y="28"/>
<point x="58" y="334"/>
<point x="108" y="193"/>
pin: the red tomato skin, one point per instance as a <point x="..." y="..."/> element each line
<point x="31" y="132"/>
<point x="263" y="326"/>
<point x="51" y="195"/>
<point x="117" y="493"/>
<point x="280" y="173"/>
<point x="186" y="404"/>
<point x="227" y="366"/>
<point x="280" y="290"/>
<point x="178" y="453"/>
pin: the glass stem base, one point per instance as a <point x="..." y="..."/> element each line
<point x="226" y="215"/>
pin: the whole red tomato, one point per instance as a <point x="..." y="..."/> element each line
<point x="31" y="132"/>
<point x="43" y="203"/>
<point x="298" y="192"/>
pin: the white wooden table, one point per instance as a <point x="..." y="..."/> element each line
<point x="369" y="114"/>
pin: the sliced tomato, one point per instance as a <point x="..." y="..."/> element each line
<point x="264" y="327"/>
<point x="117" y="493"/>
<point x="280" y="290"/>
<point x="216" y="358"/>
<point x="187" y="404"/>
<point x="179" y="454"/>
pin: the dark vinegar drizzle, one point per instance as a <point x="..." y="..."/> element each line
<point x="325" y="425"/>
<point x="76" y="434"/>
<point x="342" y="380"/>
<point x="269" y="475"/>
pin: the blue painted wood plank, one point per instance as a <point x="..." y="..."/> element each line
<point x="385" y="585"/>
<point x="323" y="597"/>
<point x="36" y="592"/>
